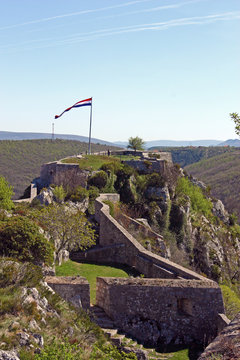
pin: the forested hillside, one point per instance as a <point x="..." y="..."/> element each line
<point x="20" y="161"/>
<point x="222" y="173"/>
<point x="188" y="155"/>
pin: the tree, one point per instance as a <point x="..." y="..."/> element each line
<point x="69" y="229"/>
<point x="135" y="143"/>
<point x="21" y="238"/>
<point x="236" y="118"/>
<point x="6" y="193"/>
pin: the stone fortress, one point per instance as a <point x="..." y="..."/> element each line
<point x="169" y="305"/>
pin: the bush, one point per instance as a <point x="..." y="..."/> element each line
<point x="6" y="193"/>
<point x="99" y="180"/>
<point x="155" y="180"/>
<point x="79" y="194"/>
<point x="93" y="193"/>
<point x="186" y="190"/>
<point x="113" y="166"/>
<point x="59" y="193"/>
<point x="20" y="238"/>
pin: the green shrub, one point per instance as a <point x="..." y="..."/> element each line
<point x="113" y="166"/>
<point x="79" y="194"/>
<point x="186" y="190"/>
<point x="231" y="301"/>
<point x="99" y="179"/>
<point x="60" y="351"/>
<point x="59" y="193"/>
<point x="6" y="193"/>
<point x="111" y="207"/>
<point x="155" y="180"/>
<point x="20" y="238"/>
<point x="93" y="193"/>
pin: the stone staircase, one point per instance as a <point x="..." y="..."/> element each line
<point x="122" y="341"/>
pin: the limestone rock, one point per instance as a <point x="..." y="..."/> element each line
<point x="219" y="211"/>
<point x="8" y="355"/>
<point x="33" y="325"/>
<point x="46" y="196"/>
<point x="198" y="183"/>
<point x="63" y="256"/>
<point x="23" y="338"/>
<point x="39" y="339"/>
<point x="157" y="193"/>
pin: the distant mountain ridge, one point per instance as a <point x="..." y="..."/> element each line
<point x="174" y="143"/>
<point x="231" y="142"/>
<point x="9" y="135"/>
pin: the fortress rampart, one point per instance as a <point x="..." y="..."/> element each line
<point x="171" y="304"/>
<point x="162" y="311"/>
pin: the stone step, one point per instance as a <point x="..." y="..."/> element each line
<point x="105" y="324"/>
<point x="117" y="340"/>
<point x="110" y="332"/>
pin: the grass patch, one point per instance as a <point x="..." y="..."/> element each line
<point x="91" y="162"/>
<point x="231" y="301"/>
<point x="90" y="272"/>
<point x="180" y="355"/>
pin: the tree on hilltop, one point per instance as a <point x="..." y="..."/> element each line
<point x="236" y="118"/>
<point x="135" y="143"/>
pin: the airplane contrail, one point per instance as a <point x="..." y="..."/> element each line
<point x="155" y="26"/>
<point x="82" y="12"/>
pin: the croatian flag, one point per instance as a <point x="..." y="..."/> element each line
<point x="86" y="102"/>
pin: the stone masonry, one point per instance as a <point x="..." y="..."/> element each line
<point x="75" y="289"/>
<point x="162" y="311"/>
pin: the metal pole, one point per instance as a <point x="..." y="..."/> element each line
<point x="90" y="130"/>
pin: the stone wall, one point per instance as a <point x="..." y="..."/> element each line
<point x="76" y="289"/>
<point x="118" y="246"/>
<point x="158" y="311"/>
<point x="58" y="173"/>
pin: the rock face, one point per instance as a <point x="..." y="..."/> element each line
<point x="226" y="345"/>
<point x="46" y="196"/>
<point x="220" y="212"/>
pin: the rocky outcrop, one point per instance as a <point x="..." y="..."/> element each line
<point x="226" y="345"/>
<point x="220" y="212"/>
<point x="8" y="355"/>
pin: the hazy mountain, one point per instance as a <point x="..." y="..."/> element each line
<point x="9" y="135"/>
<point x="174" y="143"/>
<point x="231" y="142"/>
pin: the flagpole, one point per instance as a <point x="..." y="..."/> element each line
<point x="90" y="130"/>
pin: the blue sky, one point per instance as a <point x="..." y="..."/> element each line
<point x="158" y="69"/>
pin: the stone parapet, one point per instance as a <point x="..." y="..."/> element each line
<point x="131" y="252"/>
<point x="74" y="289"/>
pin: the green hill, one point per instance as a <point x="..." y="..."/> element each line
<point x="222" y="173"/>
<point x="188" y="155"/>
<point x="20" y="160"/>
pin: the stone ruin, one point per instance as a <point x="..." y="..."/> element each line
<point x="169" y="305"/>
